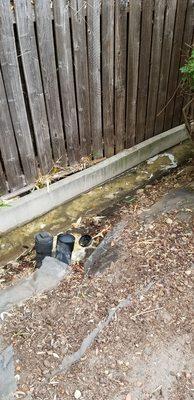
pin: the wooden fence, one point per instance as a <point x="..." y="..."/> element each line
<point x="86" y="78"/>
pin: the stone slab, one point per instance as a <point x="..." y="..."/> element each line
<point x="45" y="278"/>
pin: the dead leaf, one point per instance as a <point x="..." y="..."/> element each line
<point x="77" y="224"/>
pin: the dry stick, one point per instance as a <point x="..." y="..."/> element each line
<point x="157" y="389"/>
<point x="185" y="116"/>
<point x="26" y="252"/>
<point x="166" y="105"/>
<point x="146" y="312"/>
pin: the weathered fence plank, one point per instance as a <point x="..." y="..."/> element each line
<point x="120" y="72"/>
<point x="157" y="37"/>
<point x="8" y="146"/>
<point x="185" y="50"/>
<point x="132" y="70"/>
<point x="144" y="67"/>
<point x="175" y="61"/>
<point x="108" y="75"/>
<point x="66" y="77"/>
<point x="49" y="75"/>
<point x="3" y="188"/>
<point x="165" y="64"/>
<point x="12" y="80"/>
<point x="81" y="73"/>
<point x="93" y="20"/>
<point x="86" y="78"/>
<point x="29" y="56"/>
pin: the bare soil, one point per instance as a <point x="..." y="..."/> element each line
<point x="145" y="352"/>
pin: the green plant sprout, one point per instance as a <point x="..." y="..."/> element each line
<point x="188" y="72"/>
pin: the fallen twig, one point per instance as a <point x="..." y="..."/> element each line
<point x="159" y="388"/>
<point x="166" y="105"/>
<point x="26" y="252"/>
<point x="146" y="312"/>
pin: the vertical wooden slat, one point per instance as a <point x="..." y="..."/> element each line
<point x="93" y="20"/>
<point x="3" y="188"/>
<point x="11" y="76"/>
<point x="81" y="73"/>
<point x="120" y="72"/>
<point x="29" y="56"/>
<point x="66" y="77"/>
<point x="108" y="75"/>
<point x="175" y="61"/>
<point x="185" y="50"/>
<point x="49" y="75"/>
<point x="8" y="146"/>
<point x="144" y="67"/>
<point x="157" y="37"/>
<point x="165" y="64"/>
<point x="132" y="70"/>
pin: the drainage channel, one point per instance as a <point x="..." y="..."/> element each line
<point x="93" y="214"/>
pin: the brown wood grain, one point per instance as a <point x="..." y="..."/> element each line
<point x="165" y="64"/>
<point x="108" y="75"/>
<point x="94" y="63"/>
<point x="79" y="29"/>
<point x="8" y="145"/>
<point x="120" y="72"/>
<point x="132" y="70"/>
<point x="185" y="51"/>
<point x="175" y="61"/>
<point x="30" y="62"/>
<point x="157" y="39"/>
<point x="66" y="77"/>
<point x="3" y="188"/>
<point x="46" y="48"/>
<point x="86" y="78"/>
<point x="144" y="68"/>
<point x="13" y="87"/>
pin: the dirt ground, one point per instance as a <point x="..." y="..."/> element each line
<point x="145" y="351"/>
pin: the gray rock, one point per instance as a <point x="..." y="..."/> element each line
<point x="45" y="278"/>
<point x="7" y="377"/>
<point x="103" y="255"/>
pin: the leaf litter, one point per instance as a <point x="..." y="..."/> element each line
<point x="122" y="362"/>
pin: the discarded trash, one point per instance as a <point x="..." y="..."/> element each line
<point x="65" y="246"/>
<point x="43" y="247"/>
<point x="85" y="240"/>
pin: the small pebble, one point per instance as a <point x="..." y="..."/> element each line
<point x="119" y="362"/>
<point x="140" y="191"/>
<point x="169" y="221"/>
<point x="77" y="394"/>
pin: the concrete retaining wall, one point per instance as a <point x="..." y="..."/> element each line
<point x="41" y="201"/>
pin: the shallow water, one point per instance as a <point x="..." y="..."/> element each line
<point x="93" y="202"/>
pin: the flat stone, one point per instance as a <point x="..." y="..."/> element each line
<point x="45" y="278"/>
<point x="105" y="253"/>
<point x="7" y="375"/>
